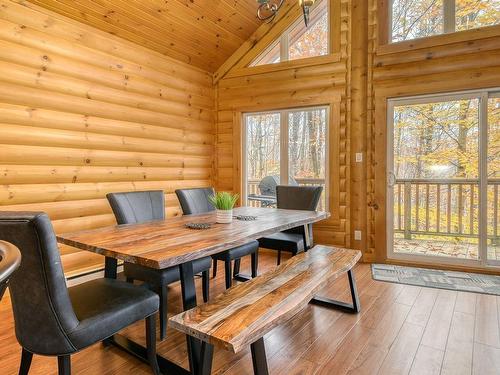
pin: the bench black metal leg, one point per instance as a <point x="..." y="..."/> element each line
<point x="188" y="302"/>
<point x="353" y="307"/>
<point x="207" y="353"/>
<point x="110" y="268"/>
<point x="259" y="359"/>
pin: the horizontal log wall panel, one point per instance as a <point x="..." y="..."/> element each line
<point x="29" y="135"/>
<point x="84" y="113"/>
<point x="51" y="62"/>
<point x="33" y="174"/>
<point x="39" y="78"/>
<point x="44" y="118"/>
<point x="36" y="97"/>
<point x="32" y="193"/>
<point x="21" y="154"/>
<point x="77" y="208"/>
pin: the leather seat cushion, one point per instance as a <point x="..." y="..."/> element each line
<point x="105" y="306"/>
<point x="166" y="276"/>
<point x="292" y="242"/>
<point x="238" y="252"/>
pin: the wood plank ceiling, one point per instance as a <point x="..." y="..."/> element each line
<point x="203" y="33"/>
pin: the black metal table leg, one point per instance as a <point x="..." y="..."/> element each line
<point x="138" y="350"/>
<point x="189" y="301"/>
<point x="110" y="268"/>
<point x="353" y="307"/>
<point x="259" y="359"/>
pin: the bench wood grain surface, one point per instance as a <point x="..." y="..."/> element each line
<point x="247" y="311"/>
<point x="166" y="243"/>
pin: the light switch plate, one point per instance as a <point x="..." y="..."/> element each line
<point x="357" y="235"/>
<point x="359" y="157"/>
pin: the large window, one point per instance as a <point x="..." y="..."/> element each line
<point x="299" y="42"/>
<point x="444" y="169"/>
<point x="284" y="143"/>
<point x="411" y="19"/>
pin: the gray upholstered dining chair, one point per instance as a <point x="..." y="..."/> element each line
<point x="10" y="259"/>
<point x="293" y="198"/>
<point x="195" y="201"/>
<point x="53" y="320"/>
<point x="143" y="206"/>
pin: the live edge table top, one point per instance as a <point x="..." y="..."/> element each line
<point x="166" y="243"/>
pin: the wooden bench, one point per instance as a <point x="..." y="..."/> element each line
<point x="243" y="314"/>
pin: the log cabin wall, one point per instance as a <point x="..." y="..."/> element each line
<point x="444" y="63"/>
<point x="315" y="81"/>
<point x="84" y="113"/>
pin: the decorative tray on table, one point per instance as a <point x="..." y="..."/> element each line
<point x="198" y="225"/>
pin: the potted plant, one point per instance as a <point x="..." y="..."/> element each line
<point x="224" y="203"/>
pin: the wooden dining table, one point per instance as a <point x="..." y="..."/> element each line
<point x="170" y="242"/>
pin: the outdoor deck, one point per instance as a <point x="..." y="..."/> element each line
<point x="462" y="250"/>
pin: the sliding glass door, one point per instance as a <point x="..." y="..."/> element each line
<point x="284" y="147"/>
<point x="443" y="174"/>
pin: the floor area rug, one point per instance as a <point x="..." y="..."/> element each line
<point x="464" y="281"/>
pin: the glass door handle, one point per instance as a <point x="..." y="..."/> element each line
<point x="391" y="179"/>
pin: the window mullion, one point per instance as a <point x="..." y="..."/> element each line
<point x="284" y="148"/>
<point x="284" y="56"/>
<point x="449" y="16"/>
<point x="389" y="18"/>
<point x="483" y="177"/>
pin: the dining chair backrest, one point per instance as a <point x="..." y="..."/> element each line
<point x="137" y="206"/>
<point x="195" y="201"/>
<point x="43" y="312"/>
<point x="298" y="197"/>
<point x="10" y="259"/>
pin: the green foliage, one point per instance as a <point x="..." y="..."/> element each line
<point x="422" y="18"/>
<point x="223" y="200"/>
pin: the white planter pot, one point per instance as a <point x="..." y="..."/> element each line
<point x="224" y="216"/>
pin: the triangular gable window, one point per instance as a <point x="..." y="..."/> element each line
<point x="299" y="42"/>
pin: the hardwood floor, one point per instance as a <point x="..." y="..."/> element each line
<point x="401" y="330"/>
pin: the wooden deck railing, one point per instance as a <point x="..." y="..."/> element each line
<point x="443" y="207"/>
<point x="253" y="188"/>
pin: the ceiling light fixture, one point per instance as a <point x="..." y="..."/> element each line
<point x="268" y="9"/>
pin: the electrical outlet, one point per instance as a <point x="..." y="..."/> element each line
<point x="357" y="235"/>
<point x="359" y="157"/>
